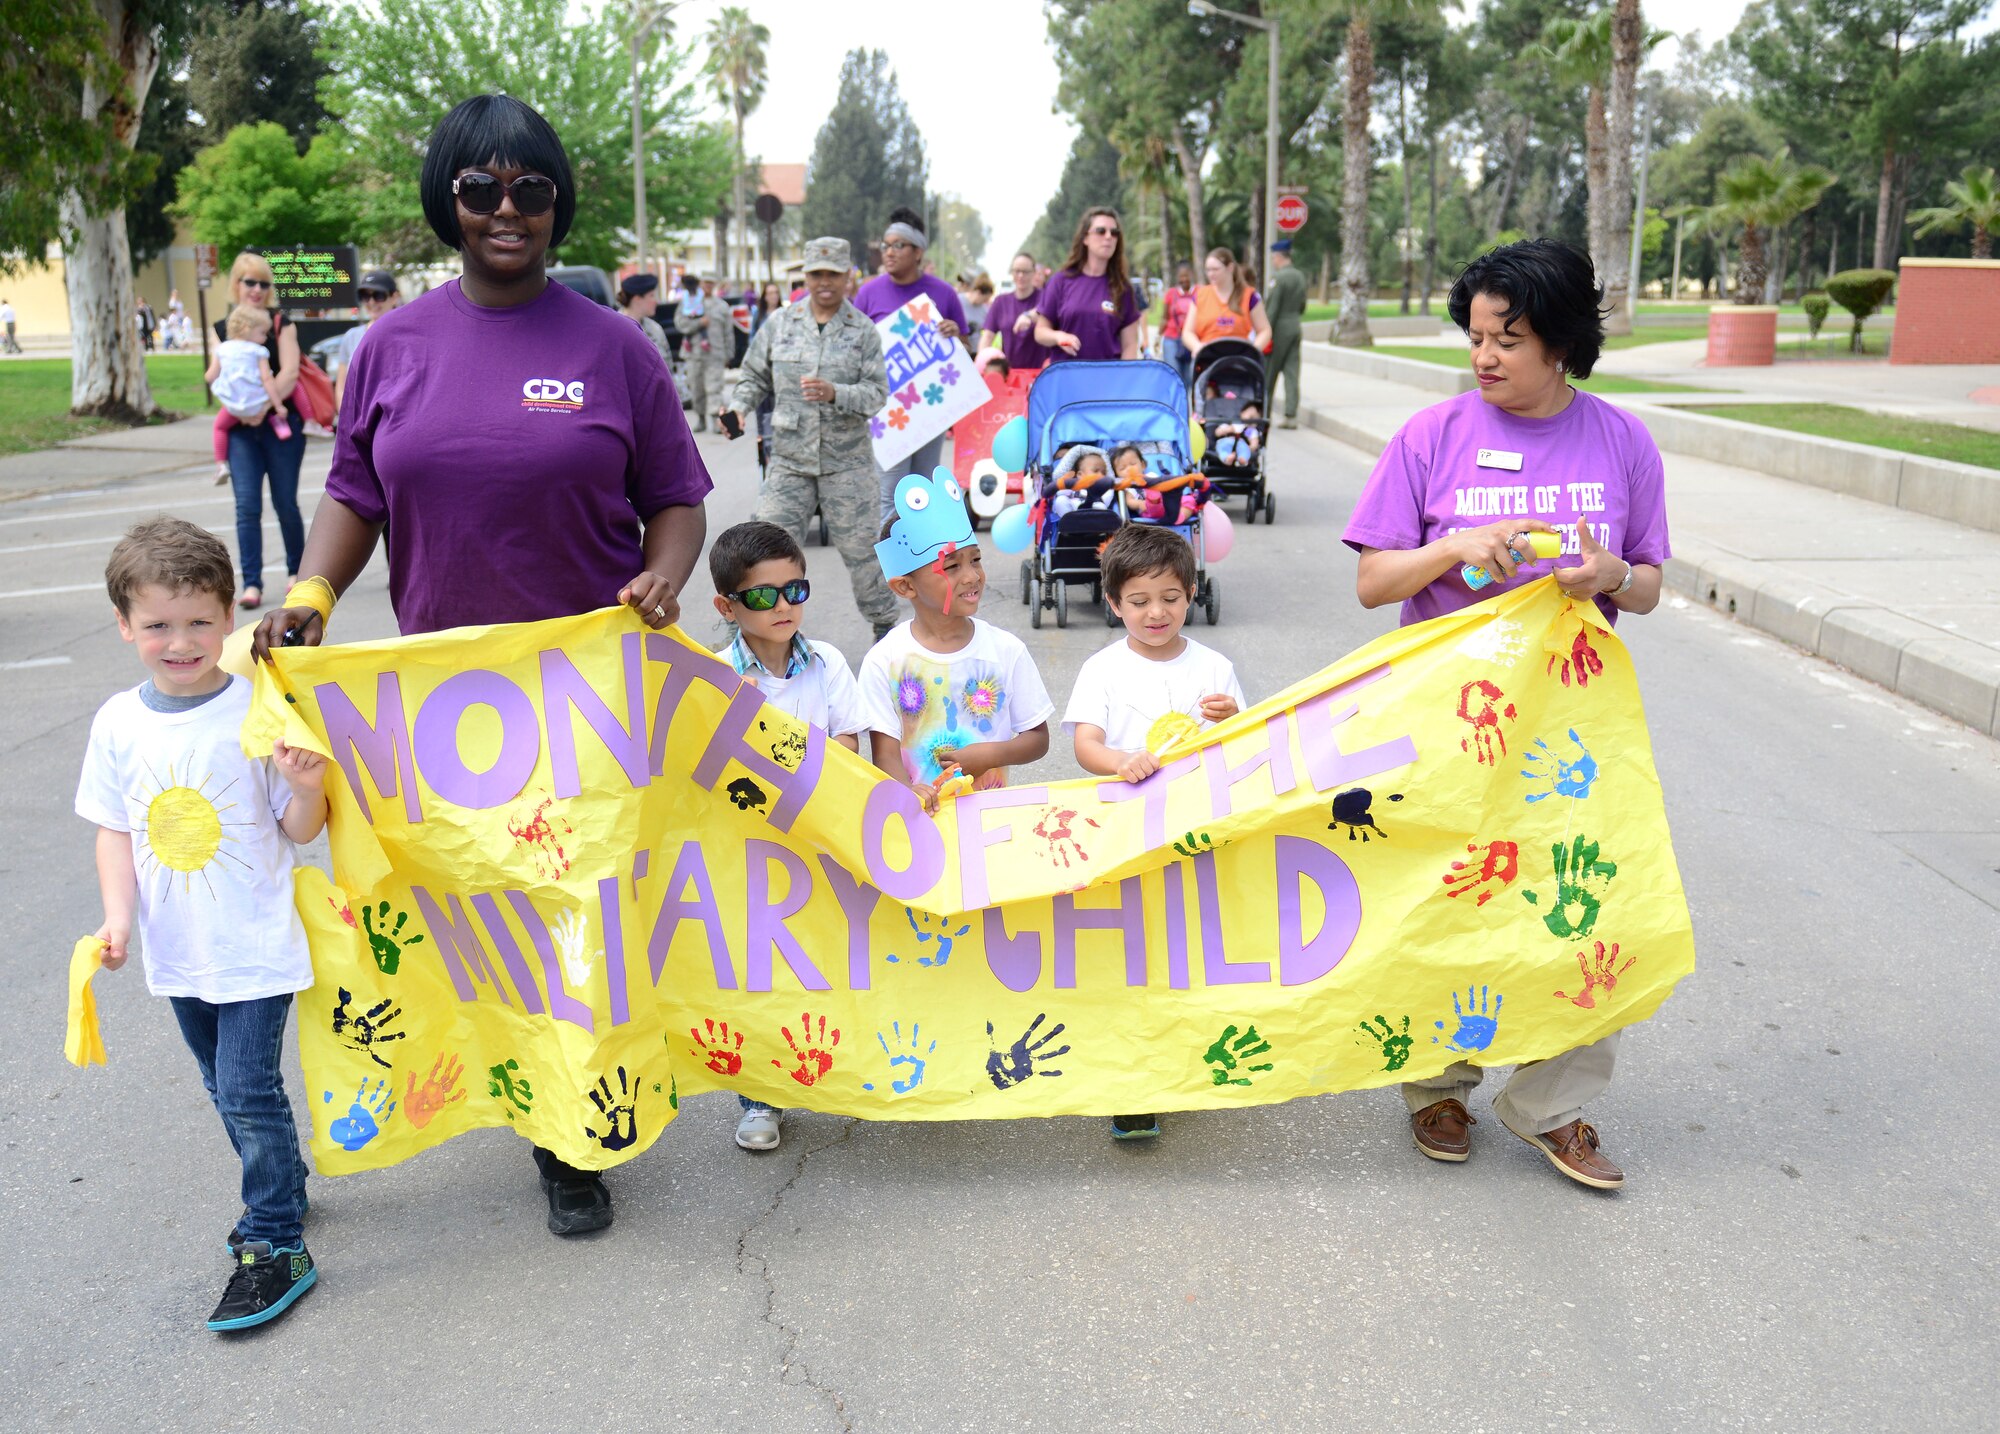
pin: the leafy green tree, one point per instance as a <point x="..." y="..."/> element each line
<point x="1973" y="198"/>
<point x="1089" y="177"/>
<point x="170" y="138"/>
<point x="1755" y="195"/>
<point x="739" y="69"/>
<point x="254" y="60"/>
<point x="1861" y="292"/>
<point x="254" y="191"/>
<point x="958" y="236"/>
<point x="867" y="159"/>
<point x="400" y="68"/>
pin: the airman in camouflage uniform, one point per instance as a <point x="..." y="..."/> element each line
<point x="706" y="341"/>
<point x="822" y="367"/>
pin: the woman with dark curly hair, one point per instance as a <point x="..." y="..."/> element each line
<point x="1463" y="482"/>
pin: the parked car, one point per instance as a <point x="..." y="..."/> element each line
<point x="591" y="282"/>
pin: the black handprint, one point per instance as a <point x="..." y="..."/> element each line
<point x="1015" y="1064"/>
<point x="386" y="945"/>
<point x="1231" y="1051"/>
<point x="747" y="795"/>
<point x="620" y="1115"/>
<point x="1350" y="810"/>
<point x="369" y="1029"/>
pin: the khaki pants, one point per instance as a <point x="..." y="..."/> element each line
<point x="1540" y="1096"/>
<point x="850" y="500"/>
<point x="704" y="387"/>
<point x="1283" y="359"/>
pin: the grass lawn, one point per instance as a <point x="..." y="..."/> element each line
<point x="1596" y="383"/>
<point x="34" y="399"/>
<point x="1851" y="425"/>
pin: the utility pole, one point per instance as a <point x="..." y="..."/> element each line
<point x="1270" y="28"/>
<point x="644" y="18"/>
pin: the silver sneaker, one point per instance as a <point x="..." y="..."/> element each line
<point x="758" y="1129"/>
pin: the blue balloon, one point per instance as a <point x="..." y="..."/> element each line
<point x="1010" y="446"/>
<point x="1011" y="530"/>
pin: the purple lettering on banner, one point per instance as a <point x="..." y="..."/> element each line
<point x="566" y="696"/>
<point x="562" y="1005"/>
<point x="1128" y="916"/>
<point x="1326" y="765"/>
<point x="642" y="862"/>
<point x="764" y="918"/>
<point x="614" y="949"/>
<point x="436" y="745"/>
<point x="731" y="742"/>
<point x="1176" y="913"/>
<point x="1153" y="794"/>
<point x="384" y="748"/>
<point x="969" y="811"/>
<point x="1216" y="967"/>
<point x="1300" y="960"/>
<point x="684" y="666"/>
<point x="502" y="937"/>
<point x="1015" y="960"/>
<point x="857" y="903"/>
<point x="1223" y="778"/>
<point x="690" y="870"/>
<point x="888" y="798"/>
<point x="458" y="946"/>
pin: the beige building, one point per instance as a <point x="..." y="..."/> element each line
<point x="694" y="250"/>
<point x="41" y="298"/>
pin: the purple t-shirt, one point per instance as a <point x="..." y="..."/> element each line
<point x="1593" y="460"/>
<point x="1022" y="352"/>
<point x="881" y="296"/>
<point x="1080" y="304"/>
<point x="512" y="453"/>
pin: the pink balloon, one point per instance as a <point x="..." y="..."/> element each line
<point x="1218" y="534"/>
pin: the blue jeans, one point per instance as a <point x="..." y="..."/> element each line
<point x="238" y="1045"/>
<point x="922" y="461"/>
<point x="253" y="453"/>
<point x="749" y="1104"/>
<point x="1175" y="352"/>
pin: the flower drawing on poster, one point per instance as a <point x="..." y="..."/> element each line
<point x="930" y="385"/>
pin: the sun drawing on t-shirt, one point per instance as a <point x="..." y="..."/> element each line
<point x="187" y="829"/>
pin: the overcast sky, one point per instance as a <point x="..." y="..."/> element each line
<point x="980" y="90"/>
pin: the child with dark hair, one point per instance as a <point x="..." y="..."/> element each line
<point x="195" y="844"/>
<point x="760" y="585"/>
<point x="1151" y="690"/>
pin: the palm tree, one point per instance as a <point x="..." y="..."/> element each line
<point x="1759" y="193"/>
<point x="739" y="69"/>
<point x="1351" y="329"/>
<point x="1975" y="200"/>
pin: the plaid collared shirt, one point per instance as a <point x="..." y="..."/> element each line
<point x="798" y="657"/>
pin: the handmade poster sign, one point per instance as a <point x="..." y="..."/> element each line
<point x="987" y="488"/>
<point x="931" y="383"/>
<point x="582" y="871"/>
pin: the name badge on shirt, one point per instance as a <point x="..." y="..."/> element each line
<point x="1108" y="307"/>
<point x="1499" y="458"/>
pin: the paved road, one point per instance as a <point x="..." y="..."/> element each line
<point x="1806" y="1240"/>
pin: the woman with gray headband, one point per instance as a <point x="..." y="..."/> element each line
<point x="903" y="279"/>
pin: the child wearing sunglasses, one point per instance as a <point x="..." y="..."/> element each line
<point x="760" y="586"/>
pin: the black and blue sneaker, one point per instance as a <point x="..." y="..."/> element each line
<point x="1134" y="1127"/>
<point x="234" y="1239"/>
<point x="265" y="1283"/>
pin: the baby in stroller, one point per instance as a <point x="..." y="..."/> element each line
<point x="1236" y="444"/>
<point x="1082" y="479"/>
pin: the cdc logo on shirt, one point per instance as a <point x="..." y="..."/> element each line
<point x="552" y="393"/>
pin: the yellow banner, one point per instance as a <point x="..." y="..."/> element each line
<point x="583" y="870"/>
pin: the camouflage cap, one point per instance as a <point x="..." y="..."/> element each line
<point x="828" y="253"/>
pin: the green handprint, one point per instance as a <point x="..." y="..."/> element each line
<point x="1194" y="843"/>
<point x="506" y="1084"/>
<point x="387" y="944"/>
<point x="1393" y="1043"/>
<point x="1576" y="865"/>
<point x="1230" y="1050"/>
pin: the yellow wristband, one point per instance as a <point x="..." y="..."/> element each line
<point x="315" y="593"/>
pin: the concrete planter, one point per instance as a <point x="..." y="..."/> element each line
<point x="1742" y="335"/>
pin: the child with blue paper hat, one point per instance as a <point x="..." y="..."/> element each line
<point x="945" y="693"/>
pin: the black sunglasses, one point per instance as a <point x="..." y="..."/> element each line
<point x="764" y="596"/>
<point x="370" y="295"/>
<point x="480" y="193"/>
<point x="255" y="283"/>
<point x="1113" y="233"/>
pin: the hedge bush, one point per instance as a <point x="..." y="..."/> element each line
<point x="1816" y="306"/>
<point x="1860" y="292"/>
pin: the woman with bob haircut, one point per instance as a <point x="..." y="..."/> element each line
<point x="256" y="453"/>
<point x="525" y="446"/>
<point x="1087" y="309"/>
<point x="1531" y="312"/>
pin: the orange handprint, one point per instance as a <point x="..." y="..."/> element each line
<point x="1500" y="864"/>
<point x="722" y="1057"/>
<point x="422" y="1103"/>
<point x="815" y="1058"/>
<point x="1598" y="974"/>
<point x="1487" y="742"/>
<point x="1581" y="660"/>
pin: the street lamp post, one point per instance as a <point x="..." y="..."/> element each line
<point x="1270" y="28"/>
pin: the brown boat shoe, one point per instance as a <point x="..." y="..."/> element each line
<point x="1573" y="1149"/>
<point x="1441" y="1130"/>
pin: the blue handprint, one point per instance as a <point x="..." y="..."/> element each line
<point x="930" y="928"/>
<point x="1566" y="776"/>
<point x="1476" y="1028"/>
<point x="364" y="1119"/>
<point x="916" y="1058"/>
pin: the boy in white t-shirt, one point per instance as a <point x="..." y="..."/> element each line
<point x="1150" y="689"/>
<point x="760" y="586"/>
<point x="945" y="693"/>
<point x="195" y="841"/>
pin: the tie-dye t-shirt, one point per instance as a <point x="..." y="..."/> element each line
<point x="987" y="691"/>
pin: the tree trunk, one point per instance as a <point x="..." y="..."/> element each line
<point x="1750" y="278"/>
<point x="1553" y="211"/>
<point x="1833" y="253"/>
<point x="1628" y="42"/>
<point x="1166" y="232"/>
<point x="1515" y="150"/>
<point x="1403" y="162"/>
<point x="1352" y="328"/>
<point x="1190" y="164"/>
<point x="1774" y="274"/>
<point x="738" y="229"/>
<point x="1597" y="180"/>
<point x="107" y="365"/>
<point x="1906" y="162"/>
<point x="1431" y="223"/>
<point x="1885" y="203"/>
<point x="1982" y="242"/>
<point x="1807" y="239"/>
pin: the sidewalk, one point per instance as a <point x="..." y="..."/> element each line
<point x="109" y="457"/>
<point x="1907" y="601"/>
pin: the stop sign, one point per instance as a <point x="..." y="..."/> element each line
<point x="1291" y="214"/>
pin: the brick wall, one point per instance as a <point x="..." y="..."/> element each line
<point x="1947" y="311"/>
<point x="1742" y="335"/>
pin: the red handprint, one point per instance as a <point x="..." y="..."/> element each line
<point x="814" y="1062"/>
<point x="1581" y="660"/>
<point x="346" y="913"/>
<point x="1501" y="863"/>
<point x="1598" y="974"/>
<point x="717" y="1050"/>
<point x="1059" y="827"/>
<point x="422" y="1103"/>
<point x="1487" y="742"/>
<point x="535" y="830"/>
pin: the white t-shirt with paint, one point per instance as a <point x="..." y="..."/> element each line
<point x="987" y="691"/>
<point x="1126" y="694"/>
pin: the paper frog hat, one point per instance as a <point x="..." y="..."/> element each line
<point x="931" y="522"/>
